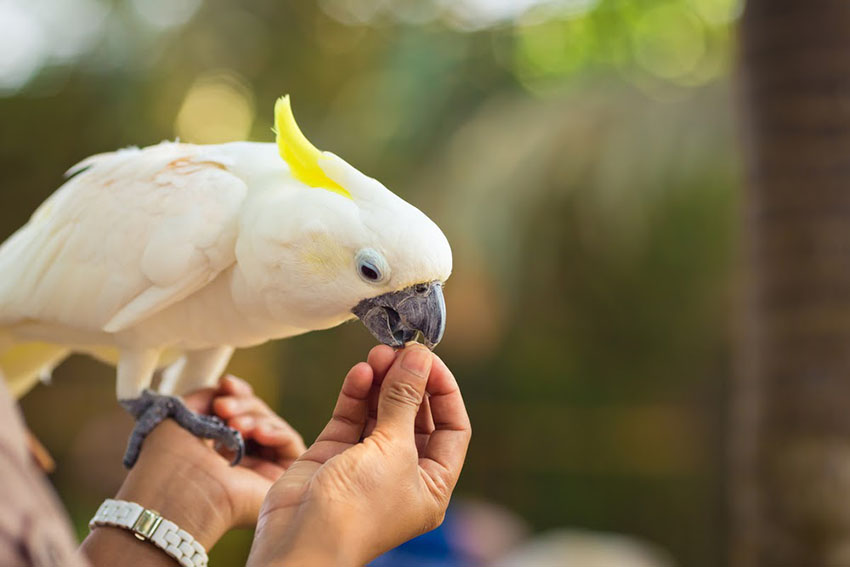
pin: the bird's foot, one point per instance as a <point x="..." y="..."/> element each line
<point x="150" y="409"/>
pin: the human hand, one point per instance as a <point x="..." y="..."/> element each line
<point x="380" y="473"/>
<point x="187" y="482"/>
<point x="271" y="444"/>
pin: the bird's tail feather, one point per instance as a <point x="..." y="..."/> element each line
<point x="22" y="365"/>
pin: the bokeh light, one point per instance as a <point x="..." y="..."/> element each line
<point x="219" y="107"/>
<point x="40" y="33"/>
<point x="166" y="13"/>
<point x="23" y="47"/>
<point x="669" y="41"/>
<point x="718" y="12"/>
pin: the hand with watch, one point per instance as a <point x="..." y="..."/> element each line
<point x="182" y="496"/>
<point x="381" y="472"/>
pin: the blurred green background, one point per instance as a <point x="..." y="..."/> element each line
<point x="580" y="156"/>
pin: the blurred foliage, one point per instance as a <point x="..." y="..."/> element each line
<point x="578" y="154"/>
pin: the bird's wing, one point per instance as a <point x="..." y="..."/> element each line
<point x="131" y="233"/>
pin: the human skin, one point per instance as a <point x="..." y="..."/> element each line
<point x="381" y="472"/>
<point x="187" y="482"/>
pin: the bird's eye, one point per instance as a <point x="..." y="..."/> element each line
<point x="369" y="273"/>
<point x="371" y="266"/>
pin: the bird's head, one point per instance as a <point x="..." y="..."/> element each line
<point x="365" y="249"/>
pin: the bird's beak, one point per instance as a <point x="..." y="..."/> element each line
<point x="394" y="318"/>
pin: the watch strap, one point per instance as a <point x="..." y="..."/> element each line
<point x="149" y="525"/>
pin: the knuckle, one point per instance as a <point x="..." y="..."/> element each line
<point x="403" y="394"/>
<point x="382" y="441"/>
<point x="240" y="385"/>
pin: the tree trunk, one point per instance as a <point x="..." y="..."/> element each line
<point x="791" y="428"/>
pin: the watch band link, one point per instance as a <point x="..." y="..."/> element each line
<point x="148" y="525"/>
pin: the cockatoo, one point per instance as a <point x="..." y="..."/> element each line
<point x="173" y="255"/>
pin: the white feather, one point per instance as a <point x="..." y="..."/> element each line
<point x="133" y="233"/>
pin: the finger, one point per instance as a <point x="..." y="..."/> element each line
<point x="374" y="395"/>
<point x="322" y="451"/>
<point x="349" y="416"/>
<point x="446" y="449"/>
<point x="447" y="407"/>
<point x="227" y="407"/>
<point x="424" y="422"/>
<point x="255" y="419"/>
<point x="245" y="424"/>
<point x="269" y="430"/>
<point x="420" y="438"/>
<point x="421" y="442"/>
<point x="278" y="435"/>
<point x="230" y="385"/>
<point x="380" y="359"/>
<point x="423" y="426"/>
<point x="403" y="389"/>
<point x="273" y="445"/>
<point x="371" y="422"/>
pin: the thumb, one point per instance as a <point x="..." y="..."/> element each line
<point x="403" y="389"/>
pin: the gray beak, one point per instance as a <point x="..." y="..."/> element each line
<point x="394" y="318"/>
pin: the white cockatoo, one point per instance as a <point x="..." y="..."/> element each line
<point x="176" y="254"/>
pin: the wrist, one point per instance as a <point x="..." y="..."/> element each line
<point x="312" y="557"/>
<point x="284" y="540"/>
<point x="179" y="493"/>
<point x="116" y="546"/>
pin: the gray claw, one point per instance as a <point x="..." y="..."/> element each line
<point x="150" y="409"/>
<point x="235" y="444"/>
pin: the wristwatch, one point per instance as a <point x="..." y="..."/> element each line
<point x="148" y="525"/>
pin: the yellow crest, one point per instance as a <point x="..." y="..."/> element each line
<point x="302" y="156"/>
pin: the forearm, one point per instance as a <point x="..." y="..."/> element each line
<point x="179" y="495"/>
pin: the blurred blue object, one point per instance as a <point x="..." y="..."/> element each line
<point x="437" y="548"/>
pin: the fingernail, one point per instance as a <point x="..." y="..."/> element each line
<point x="417" y="360"/>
